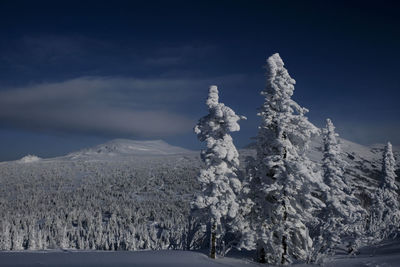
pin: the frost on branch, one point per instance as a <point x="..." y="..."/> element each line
<point x="281" y="177"/>
<point x="220" y="184"/>
<point x="343" y="215"/>
<point x="385" y="214"/>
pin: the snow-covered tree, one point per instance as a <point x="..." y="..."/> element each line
<point x="64" y="242"/>
<point x="17" y="238"/>
<point x="220" y="184"/>
<point x="40" y="242"/>
<point x="84" y="216"/>
<point x="281" y="177"/>
<point x="6" y="238"/>
<point x="385" y="214"/>
<point x="342" y="217"/>
<point x="388" y="170"/>
<point x="32" y="239"/>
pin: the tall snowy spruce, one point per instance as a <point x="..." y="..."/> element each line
<point x="281" y="177"/>
<point x="219" y="181"/>
<point x="385" y="214"/>
<point x="342" y="218"/>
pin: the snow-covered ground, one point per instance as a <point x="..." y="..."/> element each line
<point x="383" y="255"/>
<point x="164" y="258"/>
<point x="386" y="254"/>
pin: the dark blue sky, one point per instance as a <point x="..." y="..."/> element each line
<point x="78" y="73"/>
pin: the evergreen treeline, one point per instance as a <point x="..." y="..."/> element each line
<point x="97" y="205"/>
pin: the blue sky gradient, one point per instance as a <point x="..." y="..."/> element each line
<point x="78" y="73"/>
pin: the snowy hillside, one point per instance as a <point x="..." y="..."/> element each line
<point x="139" y="189"/>
<point x="385" y="254"/>
<point x="126" y="147"/>
<point x="124" y="195"/>
<point x="364" y="162"/>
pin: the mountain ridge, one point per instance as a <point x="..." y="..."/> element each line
<point x="367" y="157"/>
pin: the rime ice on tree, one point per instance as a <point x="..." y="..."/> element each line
<point x="385" y="214"/>
<point x="342" y="216"/>
<point x="219" y="181"/>
<point x="282" y="176"/>
<point x="388" y="169"/>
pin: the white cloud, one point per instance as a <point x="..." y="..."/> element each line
<point x="119" y="106"/>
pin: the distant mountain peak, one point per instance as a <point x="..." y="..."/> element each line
<point x="127" y="147"/>
<point x="29" y="159"/>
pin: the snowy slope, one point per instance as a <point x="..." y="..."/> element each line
<point x="149" y="181"/>
<point x="126" y="147"/>
<point x="140" y="189"/>
<point x="386" y="254"/>
<point x="364" y="163"/>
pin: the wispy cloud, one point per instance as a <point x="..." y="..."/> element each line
<point x="119" y="106"/>
<point x="122" y="106"/>
<point x="165" y="97"/>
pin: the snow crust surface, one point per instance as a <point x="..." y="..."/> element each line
<point x="383" y="255"/>
<point x="386" y="254"/>
<point x="164" y="258"/>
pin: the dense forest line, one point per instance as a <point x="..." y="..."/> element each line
<point x="126" y="205"/>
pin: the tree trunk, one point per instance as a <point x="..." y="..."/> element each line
<point x="284" y="237"/>
<point x="213" y="240"/>
<point x="284" y="245"/>
<point x="261" y="255"/>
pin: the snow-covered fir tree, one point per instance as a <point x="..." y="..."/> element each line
<point x="385" y="214"/>
<point x="6" y="238"/>
<point x="220" y="184"/>
<point x="343" y="215"/>
<point x="281" y="177"/>
<point x="388" y="170"/>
